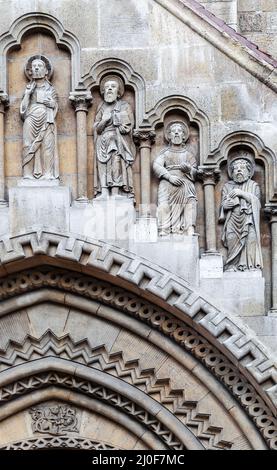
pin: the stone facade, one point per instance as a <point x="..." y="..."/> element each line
<point x="138" y="225"/>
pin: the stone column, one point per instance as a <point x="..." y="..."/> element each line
<point x="81" y="102"/>
<point x="4" y="102"/>
<point x="209" y="177"/>
<point x="145" y="139"/>
<point x="271" y="212"/>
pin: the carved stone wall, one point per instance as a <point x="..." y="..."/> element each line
<point x="120" y="330"/>
<point x="255" y="19"/>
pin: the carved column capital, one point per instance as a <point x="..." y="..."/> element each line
<point x="4" y="102"/>
<point x="144" y="137"/>
<point x="209" y="176"/>
<point x="271" y="213"/>
<point x="81" y="100"/>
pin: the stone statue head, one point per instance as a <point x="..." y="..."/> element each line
<point x="38" y="66"/>
<point x="241" y="167"/>
<point x="177" y="133"/>
<point x="111" y="88"/>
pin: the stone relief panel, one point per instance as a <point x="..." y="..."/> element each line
<point x="176" y="167"/>
<point x="240" y="212"/>
<point x="42" y="44"/>
<point x="113" y="141"/>
<point x="38" y="110"/>
<point x="56" y="420"/>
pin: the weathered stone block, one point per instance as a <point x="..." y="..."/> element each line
<point x="37" y="205"/>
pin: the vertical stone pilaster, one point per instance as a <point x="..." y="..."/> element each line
<point x="209" y="177"/>
<point x="81" y="102"/>
<point x="271" y="212"/>
<point x="145" y="139"/>
<point x="4" y="102"/>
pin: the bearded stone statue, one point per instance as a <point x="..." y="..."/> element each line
<point x="176" y="167"/>
<point x="240" y="211"/>
<point x="38" y="111"/>
<point x="115" y="150"/>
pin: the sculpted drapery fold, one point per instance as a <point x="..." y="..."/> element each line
<point x="176" y="167"/>
<point x="240" y="211"/>
<point x="38" y="110"/>
<point x="115" y="150"/>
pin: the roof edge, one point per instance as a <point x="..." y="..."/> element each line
<point x="226" y="39"/>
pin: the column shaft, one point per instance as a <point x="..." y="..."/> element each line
<point x="82" y="150"/>
<point x="274" y="261"/>
<point x="210" y="216"/>
<point x="2" y="164"/>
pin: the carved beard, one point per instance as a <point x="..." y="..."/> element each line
<point x="110" y="97"/>
<point x="177" y="139"/>
<point x="241" y="177"/>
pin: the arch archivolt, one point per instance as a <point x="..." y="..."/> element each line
<point x="83" y="294"/>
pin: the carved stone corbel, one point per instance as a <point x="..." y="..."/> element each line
<point x="81" y="101"/>
<point x="144" y="139"/>
<point x="4" y="103"/>
<point x="209" y="177"/>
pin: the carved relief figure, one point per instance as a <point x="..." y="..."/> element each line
<point x="56" y="420"/>
<point x="240" y="210"/>
<point x="38" y="110"/>
<point x="176" y="168"/>
<point x="115" y="150"/>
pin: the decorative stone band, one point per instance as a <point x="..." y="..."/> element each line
<point x="61" y="442"/>
<point x="81" y="352"/>
<point x="93" y="390"/>
<point x="236" y="381"/>
<point x="153" y="283"/>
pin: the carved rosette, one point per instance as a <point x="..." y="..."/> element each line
<point x="81" y="100"/>
<point x="144" y="138"/>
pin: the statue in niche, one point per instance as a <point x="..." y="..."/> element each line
<point x="115" y="149"/>
<point x="38" y="110"/>
<point x="240" y="211"/>
<point x="177" y="169"/>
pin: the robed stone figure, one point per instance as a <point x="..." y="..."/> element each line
<point x="115" y="149"/>
<point x="240" y="211"/>
<point x="177" y="168"/>
<point x="38" y="110"/>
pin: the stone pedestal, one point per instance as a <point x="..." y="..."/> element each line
<point x="146" y="230"/>
<point x="240" y="293"/>
<point x="177" y="253"/>
<point x="111" y="219"/>
<point x="37" y="205"/>
<point x="211" y="266"/>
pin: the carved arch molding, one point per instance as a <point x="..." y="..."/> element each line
<point x="132" y="352"/>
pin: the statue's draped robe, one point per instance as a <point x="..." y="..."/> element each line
<point x="40" y="157"/>
<point x="177" y="205"/>
<point x="241" y="231"/>
<point x="115" y="150"/>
